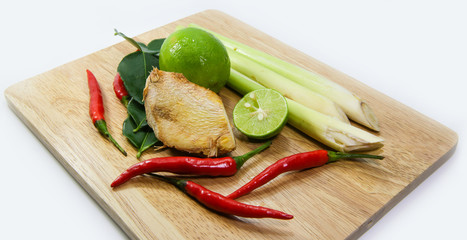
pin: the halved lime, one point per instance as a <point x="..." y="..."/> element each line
<point x="261" y="114"/>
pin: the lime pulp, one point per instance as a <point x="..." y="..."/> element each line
<point x="261" y="114"/>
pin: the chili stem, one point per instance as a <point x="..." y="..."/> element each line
<point x="240" y="160"/>
<point x="102" y="127"/>
<point x="334" y="156"/>
<point x="180" y="184"/>
<point x="117" y="145"/>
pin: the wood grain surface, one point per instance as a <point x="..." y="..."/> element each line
<point x="338" y="201"/>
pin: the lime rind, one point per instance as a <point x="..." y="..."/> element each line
<point x="198" y="55"/>
<point x="261" y="114"/>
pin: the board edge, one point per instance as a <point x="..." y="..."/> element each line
<point x="396" y="199"/>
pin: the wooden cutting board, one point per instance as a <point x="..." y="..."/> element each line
<point x="337" y="201"/>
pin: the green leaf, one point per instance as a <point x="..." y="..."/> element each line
<point x="140" y="46"/>
<point x="155" y="45"/>
<point x="149" y="141"/>
<point x="142" y="140"/>
<point x="134" y="69"/>
<point x="137" y="112"/>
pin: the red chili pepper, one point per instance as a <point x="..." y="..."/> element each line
<point x="220" y="203"/>
<point x="225" y="166"/>
<point x="96" y="109"/>
<point x="295" y="162"/>
<point x="120" y="90"/>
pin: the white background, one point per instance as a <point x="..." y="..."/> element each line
<point x="413" y="51"/>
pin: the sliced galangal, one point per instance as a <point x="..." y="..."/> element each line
<point x="186" y="116"/>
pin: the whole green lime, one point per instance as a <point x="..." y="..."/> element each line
<point x="198" y="55"/>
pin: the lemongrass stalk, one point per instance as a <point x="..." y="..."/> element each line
<point x="290" y="89"/>
<point x="241" y="83"/>
<point x="327" y="130"/>
<point x="356" y="108"/>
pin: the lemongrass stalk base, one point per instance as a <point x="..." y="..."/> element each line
<point x="327" y="130"/>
